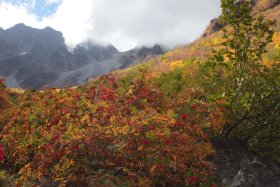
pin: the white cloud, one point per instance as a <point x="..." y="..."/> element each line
<point x="124" y="23"/>
<point x="127" y="23"/>
<point x="74" y="19"/>
<point x="12" y="14"/>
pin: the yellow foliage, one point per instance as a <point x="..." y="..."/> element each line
<point x="176" y="63"/>
<point x="276" y="39"/>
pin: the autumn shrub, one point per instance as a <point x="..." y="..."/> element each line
<point x="237" y="80"/>
<point x="275" y="56"/>
<point x="172" y="82"/>
<point x="2" y="84"/>
<point x="250" y="89"/>
<point x="4" y="101"/>
<point x="261" y="130"/>
<point x="104" y="134"/>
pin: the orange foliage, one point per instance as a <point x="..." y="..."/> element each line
<point x="107" y="135"/>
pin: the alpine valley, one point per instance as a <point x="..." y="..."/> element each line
<point x="37" y="58"/>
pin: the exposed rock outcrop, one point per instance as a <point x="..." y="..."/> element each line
<point x="237" y="167"/>
<point x="259" y="6"/>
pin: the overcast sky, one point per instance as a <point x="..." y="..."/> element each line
<point x="123" y="23"/>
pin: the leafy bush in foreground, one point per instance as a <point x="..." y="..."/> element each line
<point x="105" y="134"/>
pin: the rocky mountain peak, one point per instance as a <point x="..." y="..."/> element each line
<point x="34" y="58"/>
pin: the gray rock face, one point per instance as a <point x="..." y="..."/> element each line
<point x="133" y="56"/>
<point x="215" y="25"/>
<point x="34" y="58"/>
<point x="237" y="167"/>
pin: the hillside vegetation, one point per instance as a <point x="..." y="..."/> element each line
<point x="151" y="124"/>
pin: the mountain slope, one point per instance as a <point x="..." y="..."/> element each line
<point x="213" y="37"/>
<point x="258" y="6"/>
<point x="34" y="58"/>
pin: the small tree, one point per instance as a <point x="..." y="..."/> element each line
<point x="239" y="59"/>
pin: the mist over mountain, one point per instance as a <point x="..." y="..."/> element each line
<point x="119" y="23"/>
<point x="34" y="58"/>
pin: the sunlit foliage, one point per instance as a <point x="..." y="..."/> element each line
<point x="151" y="124"/>
<point x="111" y="132"/>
